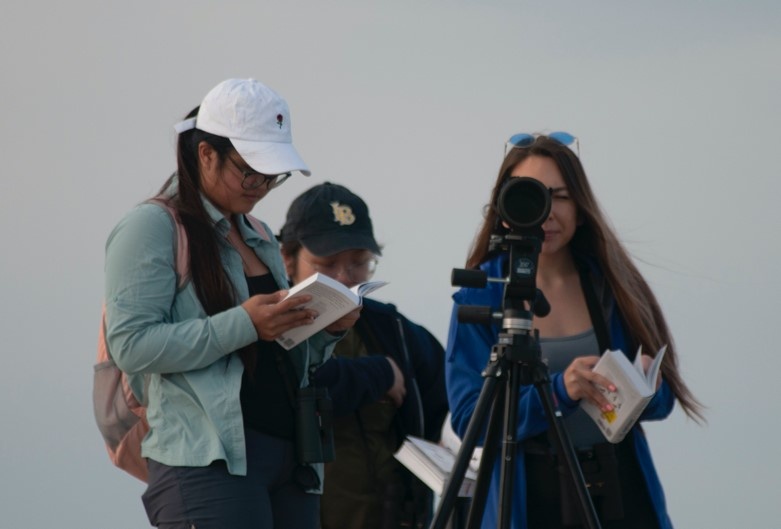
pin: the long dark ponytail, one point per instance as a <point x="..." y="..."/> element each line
<point x="215" y="291"/>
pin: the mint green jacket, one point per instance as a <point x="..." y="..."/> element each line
<point x="180" y="361"/>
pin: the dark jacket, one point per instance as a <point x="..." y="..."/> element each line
<point x="355" y="382"/>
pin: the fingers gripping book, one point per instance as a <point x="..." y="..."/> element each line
<point x="330" y="299"/>
<point x="634" y="390"/>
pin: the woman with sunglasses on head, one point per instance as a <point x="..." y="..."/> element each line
<point x="598" y="300"/>
<point x="220" y="449"/>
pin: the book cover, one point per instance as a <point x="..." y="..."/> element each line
<point x="634" y="389"/>
<point x="432" y="464"/>
<point x="330" y="299"/>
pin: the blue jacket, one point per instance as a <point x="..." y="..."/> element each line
<point x="468" y="349"/>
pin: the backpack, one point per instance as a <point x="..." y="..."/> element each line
<point x="119" y="412"/>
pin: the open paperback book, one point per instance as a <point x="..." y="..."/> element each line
<point x="634" y="390"/>
<point x="432" y="464"/>
<point x="330" y="299"/>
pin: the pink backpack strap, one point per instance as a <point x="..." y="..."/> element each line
<point x="259" y="227"/>
<point x="181" y="248"/>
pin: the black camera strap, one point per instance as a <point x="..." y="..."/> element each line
<point x="594" y="309"/>
<point x="303" y="475"/>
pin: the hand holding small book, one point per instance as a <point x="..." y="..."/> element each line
<point x="336" y="307"/>
<point x="631" y="387"/>
<point x="583" y="383"/>
<point x="273" y="315"/>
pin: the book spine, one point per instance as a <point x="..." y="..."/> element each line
<point x="631" y="420"/>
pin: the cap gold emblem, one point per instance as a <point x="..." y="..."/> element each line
<point x="342" y="214"/>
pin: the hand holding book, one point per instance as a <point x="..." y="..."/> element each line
<point x="329" y="299"/>
<point x="275" y="313"/>
<point x="635" y="386"/>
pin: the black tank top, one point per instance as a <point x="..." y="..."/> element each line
<point x="265" y="397"/>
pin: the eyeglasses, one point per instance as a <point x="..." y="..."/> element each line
<point x="358" y="272"/>
<point x="524" y="139"/>
<point x="254" y="180"/>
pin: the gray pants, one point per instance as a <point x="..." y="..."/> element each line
<point x="210" y="498"/>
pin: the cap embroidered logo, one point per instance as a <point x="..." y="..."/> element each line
<point x="342" y="214"/>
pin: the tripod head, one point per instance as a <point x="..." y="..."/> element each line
<point x="523" y="205"/>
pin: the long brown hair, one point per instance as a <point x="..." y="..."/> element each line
<point x="595" y="239"/>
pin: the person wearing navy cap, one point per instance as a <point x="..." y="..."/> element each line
<point x="386" y="377"/>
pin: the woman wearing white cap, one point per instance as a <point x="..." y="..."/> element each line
<point x="219" y="389"/>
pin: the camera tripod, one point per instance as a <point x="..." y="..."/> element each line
<point x="514" y="360"/>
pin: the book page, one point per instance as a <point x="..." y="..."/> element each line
<point x="324" y="284"/>
<point x="653" y="369"/>
<point x="432" y="464"/>
<point x="638" y="363"/>
<point x="443" y="458"/>
<point x="330" y="299"/>
<point x="326" y="300"/>
<point x="616" y="366"/>
<point x="453" y="443"/>
<point x="366" y="288"/>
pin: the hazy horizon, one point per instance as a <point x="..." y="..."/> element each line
<point x="409" y="105"/>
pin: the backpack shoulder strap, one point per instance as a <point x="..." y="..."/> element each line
<point x="181" y="249"/>
<point x="258" y="226"/>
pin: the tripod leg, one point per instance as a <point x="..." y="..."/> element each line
<point x="509" y="446"/>
<point x="456" y="478"/>
<point x="490" y="447"/>
<point x="564" y="447"/>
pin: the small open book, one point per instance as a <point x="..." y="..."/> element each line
<point x="432" y="464"/>
<point x="330" y="299"/>
<point x="634" y="390"/>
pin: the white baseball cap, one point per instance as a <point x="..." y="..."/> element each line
<point x="255" y="119"/>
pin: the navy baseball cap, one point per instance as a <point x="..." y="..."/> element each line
<point x="328" y="219"/>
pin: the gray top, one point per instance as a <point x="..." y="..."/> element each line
<point x="558" y="353"/>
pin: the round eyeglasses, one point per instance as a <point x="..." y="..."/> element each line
<point x="253" y="179"/>
<point x="358" y="272"/>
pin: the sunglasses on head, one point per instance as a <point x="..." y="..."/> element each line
<point x="524" y="139"/>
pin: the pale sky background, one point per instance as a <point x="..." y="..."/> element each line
<point x="408" y="104"/>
